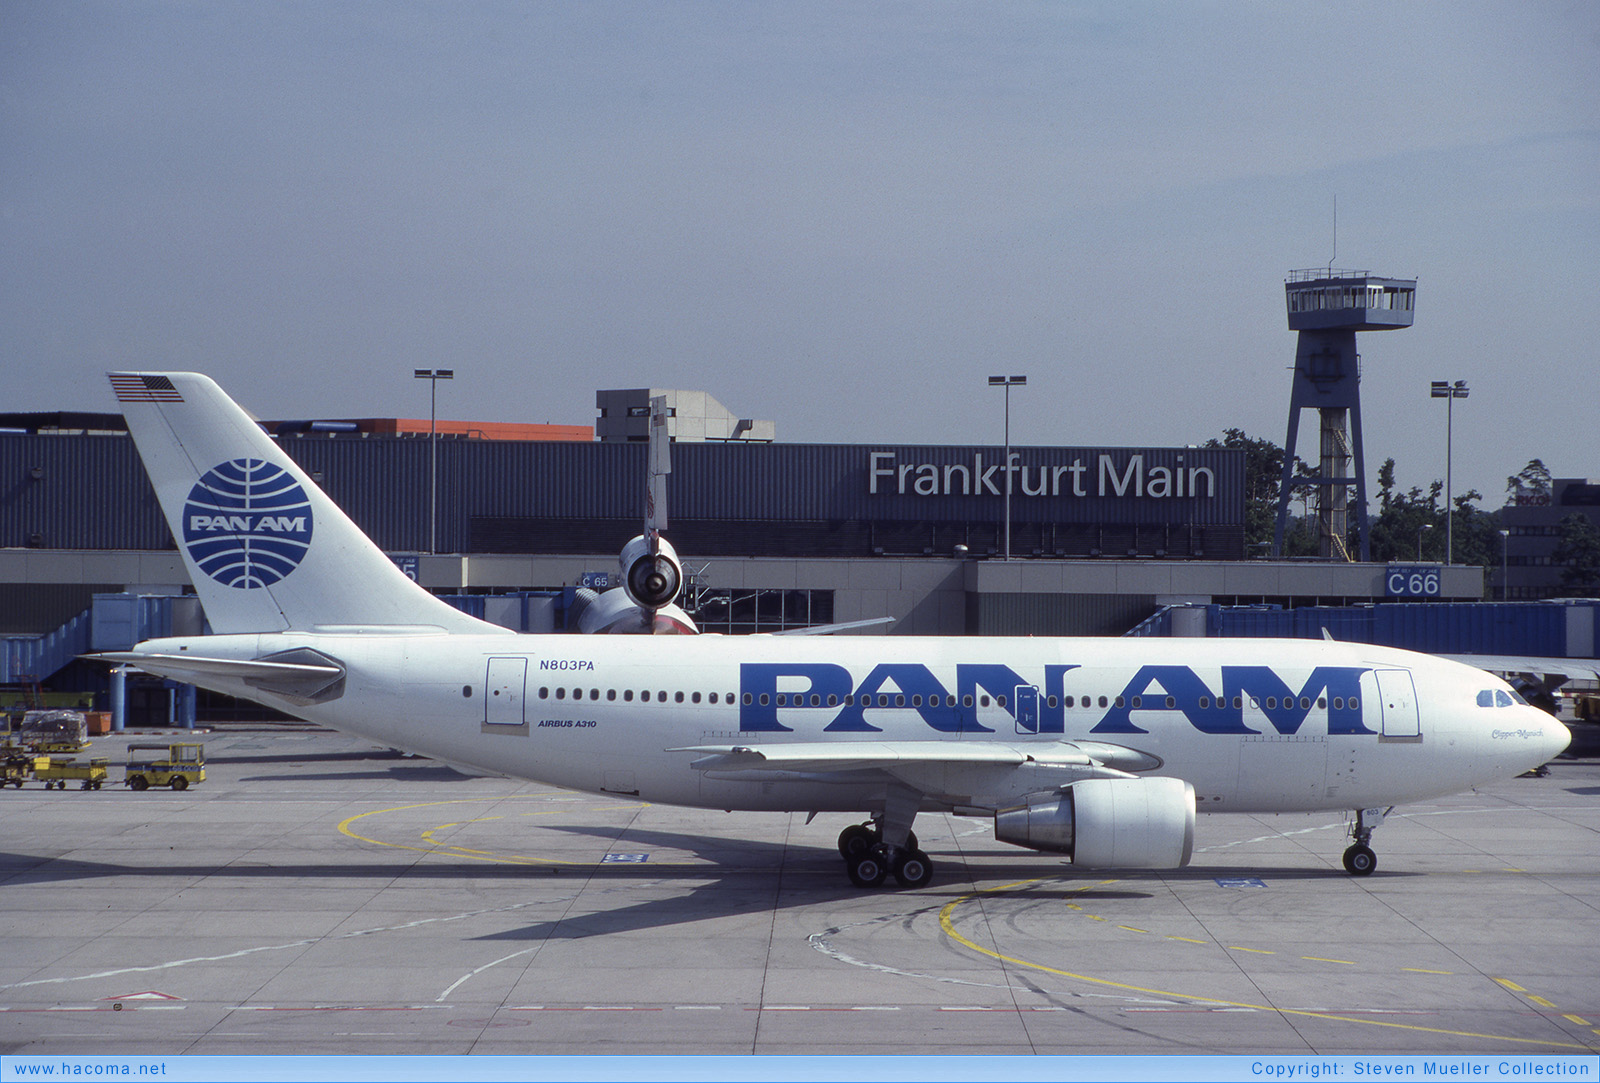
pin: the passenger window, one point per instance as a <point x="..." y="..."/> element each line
<point x="1052" y="702"/>
<point x="1322" y="703"/>
<point x="1137" y="701"/>
<point x="763" y="699"/>
<point x="544" y="693"/>
<point x="833" y="701"/>
<point x="1171" y="703"/>
<point x="695" y="698"/>
<point x="1272" y="703"/>
<point x="611" y="693"/>
<point x="1355" y="704"/>
<point x="747" y="699"/>
<point x="916" y="701"/>
<point x="816" y="700"/>
<point x="627" y="695"/>
<point x="899" y="701"/>
<point x="677" y="697"/>
<point x="983" y="701"/>
<point x="783" y="699"/>
<point x="1103" y="702"/>
<point x="1305" y="703"/>
<point x="1205" y="703"/>
<point x="966" y="701"/>
<point x="561" y="693"/>
<point x="1338" y="703"/>
<point x="713" y="698"/>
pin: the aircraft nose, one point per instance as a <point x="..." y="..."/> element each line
<point x="1554" y="737"/>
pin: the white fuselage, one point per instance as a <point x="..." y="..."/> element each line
<point x="1253" y="725"/>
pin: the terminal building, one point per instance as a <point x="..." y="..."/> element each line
<point x="775" y="534"/>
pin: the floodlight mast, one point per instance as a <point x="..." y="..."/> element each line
<point x="1008" y="382"/>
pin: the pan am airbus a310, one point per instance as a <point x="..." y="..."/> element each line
<point x="1100" y="749"/>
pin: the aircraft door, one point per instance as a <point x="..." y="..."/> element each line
<point x="1027" y="704"/>
<point x="503" y="693"/>
<point x="1397" y="700"/>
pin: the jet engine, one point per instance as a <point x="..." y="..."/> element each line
<point x="1109" y="823"/>
<point x="652" y="580"/>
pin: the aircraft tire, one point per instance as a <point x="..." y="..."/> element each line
<point x="1360" y="860"/>
<point x="867" y="870"/>
<point x="913" y="869"/>
<point x="856" y="840"/>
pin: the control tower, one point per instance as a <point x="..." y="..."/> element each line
<point x="1328" y="307"/>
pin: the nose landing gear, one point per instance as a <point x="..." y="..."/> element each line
<point x="1359" y="860"/>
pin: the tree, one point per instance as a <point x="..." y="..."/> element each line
<point x="1408" y="526"/>
<point x="1263" y="470"/>
<point x="1530" y="486"/>
<point x="1578" y="552"/>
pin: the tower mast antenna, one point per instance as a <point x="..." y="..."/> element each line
<point x="1335" y="257"/>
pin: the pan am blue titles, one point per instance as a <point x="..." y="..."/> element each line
<point x="1100" y="749"/>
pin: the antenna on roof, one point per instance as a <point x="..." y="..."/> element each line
<point x="1335" y="257"/>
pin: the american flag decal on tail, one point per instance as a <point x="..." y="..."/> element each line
<point x="130" y="388"/>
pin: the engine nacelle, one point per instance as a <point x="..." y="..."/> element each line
<point x="1109" y="823"/>
<point x="652" y="581"/>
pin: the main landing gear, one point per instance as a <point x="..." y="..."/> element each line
<point x="1359" y="860"/>
<point x="869" y="859"/>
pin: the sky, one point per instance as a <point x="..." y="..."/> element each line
<point x="842" y="217"/>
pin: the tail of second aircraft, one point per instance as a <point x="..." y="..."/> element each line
<point x="266" y="549"/>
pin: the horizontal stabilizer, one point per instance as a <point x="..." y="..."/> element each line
<point x="305" y="676"/>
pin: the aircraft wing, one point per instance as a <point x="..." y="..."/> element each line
<point x="892" y="756"/>
<point x="1582" y="669"/>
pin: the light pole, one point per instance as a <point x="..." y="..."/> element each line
<point x="1450" y="392"/>
<point x="1505" y="536"/>
<point x="1420" y="529"/>
<point x="1008" y="382"/>
<point x="433" y="376"/>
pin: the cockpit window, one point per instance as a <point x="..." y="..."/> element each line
<point x="1486" y="698"/>
<point x="1499" y="697"/>
<point x="1502" y="698"/>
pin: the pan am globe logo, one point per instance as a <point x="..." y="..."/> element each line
<point x="247" y="523"/>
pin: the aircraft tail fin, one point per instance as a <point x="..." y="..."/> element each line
<point x="267" y="550"/>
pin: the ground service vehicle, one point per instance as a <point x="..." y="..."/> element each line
<point x="58" y="772"/>
<point x="176" y="765"/>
